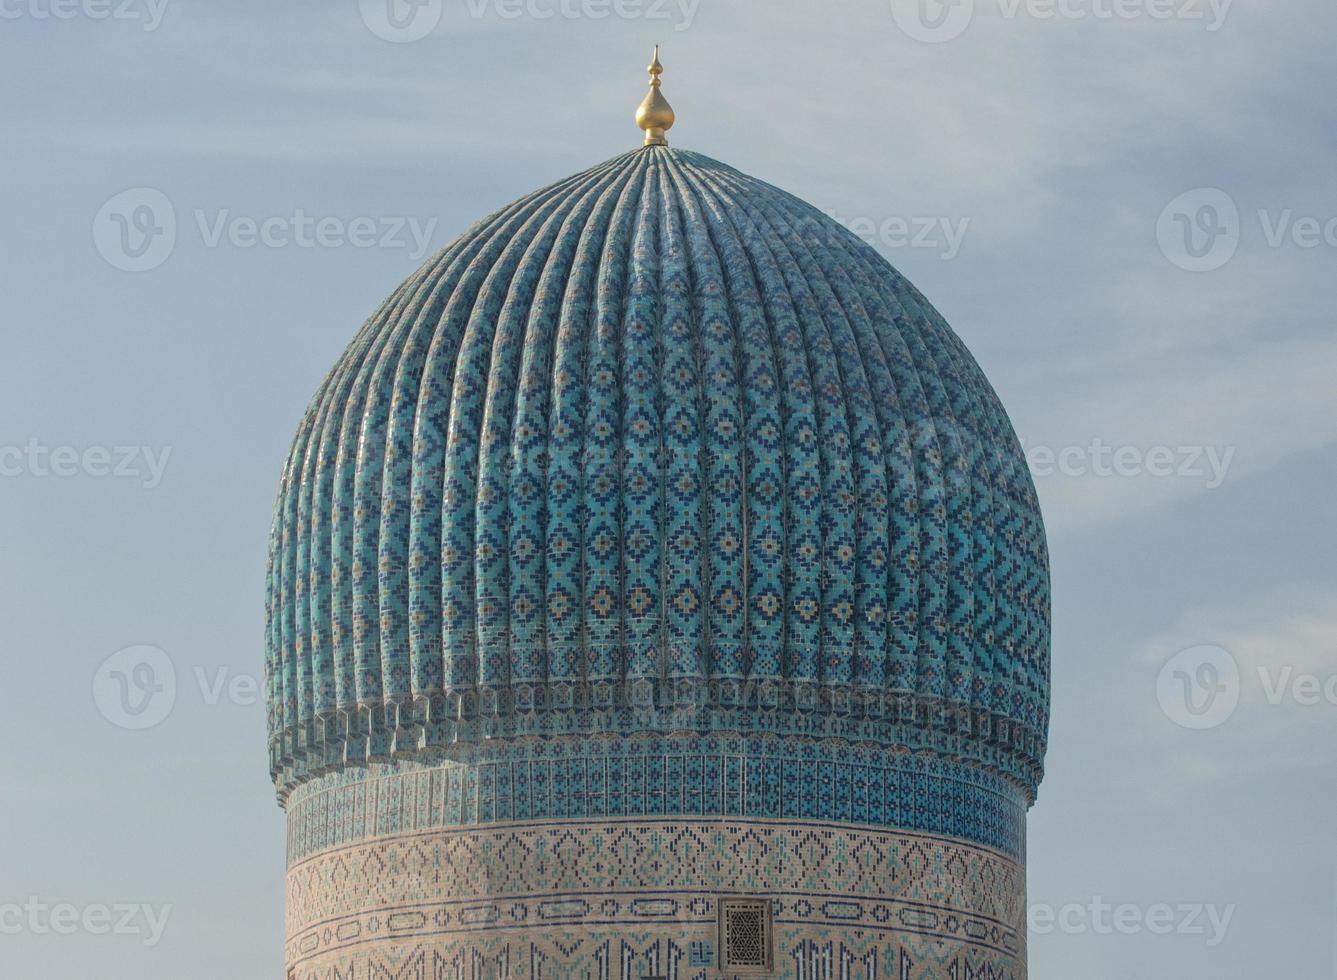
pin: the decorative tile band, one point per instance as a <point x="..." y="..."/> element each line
<point x="606" y="955"/>
<point x="893" y="721"/>
<point x="627" y="899"/>
<point x="611" y="777"/>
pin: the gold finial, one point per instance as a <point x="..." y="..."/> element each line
<point x="655" y="115"/>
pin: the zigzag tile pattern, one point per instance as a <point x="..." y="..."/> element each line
<point x="656" y="448"/>
<point x="628" y="899"/>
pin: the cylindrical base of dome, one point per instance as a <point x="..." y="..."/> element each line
<point x="387" y="880"/>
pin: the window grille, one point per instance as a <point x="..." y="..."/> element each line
<point x="745" y="933"/>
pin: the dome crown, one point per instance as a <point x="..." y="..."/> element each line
<point x="657" y="448"/>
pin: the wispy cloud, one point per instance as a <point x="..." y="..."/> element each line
<point x="1261" y="405"/>
<point x="1289" y="628"/>
<point x="362" y="140"/>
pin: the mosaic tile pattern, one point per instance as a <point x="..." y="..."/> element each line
<point x="628" y="899"/>
<point x="659" y="437"/>
<point x="759" y="776"/>
<point x="638" y="951"/>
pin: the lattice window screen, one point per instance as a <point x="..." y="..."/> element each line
<point x="745" y="933"/>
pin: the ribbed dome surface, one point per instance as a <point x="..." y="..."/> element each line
<point x="657" y="448"/>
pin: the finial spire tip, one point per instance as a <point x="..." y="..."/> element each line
<point x="655" y="115"/>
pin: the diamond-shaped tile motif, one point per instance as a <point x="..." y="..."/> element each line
<point x="657" y="422"/>
<point x="511" y="899"/>
<point x="656" y="494"/>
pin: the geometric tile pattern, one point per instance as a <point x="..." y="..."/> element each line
<point x="757" y="776"/>
<point x="639" y="953"/>
<point x="656" y="445"/>
<point x="635" y="898"/>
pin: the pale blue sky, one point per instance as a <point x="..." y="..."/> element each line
<point x="1043" y="153"/>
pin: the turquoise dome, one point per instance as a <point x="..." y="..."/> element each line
<point x="657" y="449"/>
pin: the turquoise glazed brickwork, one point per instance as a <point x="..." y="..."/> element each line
<point x="658" y="446"/>
<point x="656" y="542"/>
<point x="687" y="775"/>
